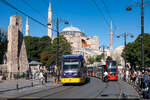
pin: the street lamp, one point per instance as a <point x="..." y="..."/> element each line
<point x="57" y="49"/>
<point x="125" y="35"/>
<point x="142" y="27"/>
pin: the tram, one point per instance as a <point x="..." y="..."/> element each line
<point x="73" y="69"/>
<point x="112" y="69"/>
<point x="95" y="70"/>
<point x="90" y="71"/>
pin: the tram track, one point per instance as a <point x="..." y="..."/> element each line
<point x="107" y="85"/>
<point x="102" y="91"/>
<point x="43" y="90"/>
<point x="57" y="92"/>
<point x="60" y="90"/>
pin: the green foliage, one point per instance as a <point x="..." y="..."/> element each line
<point x="109" y="58"/>
<point x="44" y="49"/>
<point x="99" y="57"/>
<point x="133" y="51"/>
<point x="91" y="60"/>
<point x="32" y="47"/>
<point x="3" y="43"/>
<point x="64" y="48"/>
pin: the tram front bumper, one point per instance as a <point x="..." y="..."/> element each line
<point x="72" y="80"/>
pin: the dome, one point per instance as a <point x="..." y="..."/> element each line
<point x="71" y="29"/>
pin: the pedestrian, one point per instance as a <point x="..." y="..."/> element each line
<point x="127" y="75"/>
<point x="36" y="75"/>
<point x="122" y="74"/>
<point x="146" y="79"/>
<point x="33" y="74"/>
<point x="146" y="83"/>
<point x="28" y="74"/>
<point x="41" y="77"/>
<point x="45" y="75"/>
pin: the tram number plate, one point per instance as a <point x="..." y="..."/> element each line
<point x="69" y="79"/>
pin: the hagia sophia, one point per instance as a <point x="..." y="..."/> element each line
<point x="81" y="44"/>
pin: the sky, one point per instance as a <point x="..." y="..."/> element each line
<point x="91" y="19"/>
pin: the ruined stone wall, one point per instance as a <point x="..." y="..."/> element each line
<point x="16" y="51"/>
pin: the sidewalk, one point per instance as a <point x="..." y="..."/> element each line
<point x="10" y="85"/>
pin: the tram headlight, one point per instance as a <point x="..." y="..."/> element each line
<point x="75" y="74"/>
<point x="64" y="74"/>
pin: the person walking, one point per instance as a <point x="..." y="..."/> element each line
<point x="127" y="75"/>
<point x="146" y="79"/>
<point x="45" y="75"/>
<point x="41" y="77"/>
<point x="146" y="83"/>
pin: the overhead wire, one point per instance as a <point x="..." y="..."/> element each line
<point x="35" y="10"/>
<point x="109" y="15"/>
<point x="99" y="9"/>
<point x="35" y="20"/>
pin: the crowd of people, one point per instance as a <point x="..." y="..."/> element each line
<point x="139" y="78"/>
<point x="40" y="75"/>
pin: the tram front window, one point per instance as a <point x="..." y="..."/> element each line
<point x="71" y="67"/>
<point x="111" y="64"/>
<point x="112" y="71"/>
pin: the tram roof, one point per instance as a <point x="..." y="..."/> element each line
<point x="96" y="64"/>
<point x="73" y="56"/>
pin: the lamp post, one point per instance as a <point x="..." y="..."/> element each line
<point x="125" y="39"/>
<point x="57" y="49"/>
<point x="142" y="27"/>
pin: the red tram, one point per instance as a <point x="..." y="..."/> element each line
<point x="112" y="69"/>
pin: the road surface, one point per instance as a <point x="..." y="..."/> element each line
<point x="95" y="88"/>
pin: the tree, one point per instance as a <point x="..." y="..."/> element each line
<point x="99" y="57"/>
<point x="91" y="60"/>
<point x="49" y="57"/>
<point x="133" y="51"/>
<point x="109" y="58"/>
<point x="44" y="44"/>
<point x="3" y="44"/>
<point x="32" y="47"/>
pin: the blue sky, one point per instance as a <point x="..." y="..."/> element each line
<point x="82" y="14"/>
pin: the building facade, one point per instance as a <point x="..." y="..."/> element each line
<point x="117" y="55"/>
<point x="80" y="43"/>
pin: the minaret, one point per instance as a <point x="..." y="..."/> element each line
<point x="27" y="27"/>
<point x="111" y="40"/>
<point x="50" y="21"/>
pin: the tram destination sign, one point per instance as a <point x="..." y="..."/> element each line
<point x="71" y="63"/>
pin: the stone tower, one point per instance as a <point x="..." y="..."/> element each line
<point x="16" y="51"/>
<point x="27" y="27"/>
<point x="50" y="21"/>
<point x="111" y="40"/>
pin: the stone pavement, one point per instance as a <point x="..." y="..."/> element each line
<point x="10" y="85"/>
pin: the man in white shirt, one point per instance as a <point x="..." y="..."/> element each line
<point x="127" y="75"/>
<point x="105" y="74"/>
